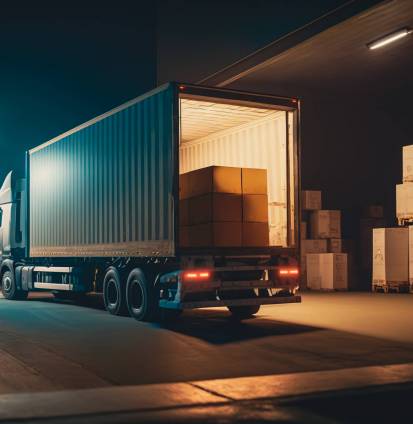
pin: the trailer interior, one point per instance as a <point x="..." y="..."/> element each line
<point x="222" y="132"/>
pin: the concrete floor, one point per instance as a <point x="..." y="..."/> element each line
<point x="51" y="345"/>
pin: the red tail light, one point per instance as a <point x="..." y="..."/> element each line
<point x="288" y="272"/>
<point x="196" y="275"/>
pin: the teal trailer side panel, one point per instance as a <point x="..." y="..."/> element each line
<point x="106" y="187"/>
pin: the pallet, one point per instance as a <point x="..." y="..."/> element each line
<point x="391" y="287"/>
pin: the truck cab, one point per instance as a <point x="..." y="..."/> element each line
<point x="12" y="217"/>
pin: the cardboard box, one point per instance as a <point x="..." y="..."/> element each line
<point x="391" y="254"/>
<point x="311" y="200"/>
<point x="325" y="224"/>
<point x="327" y="271"/>
<point x="339" y="246"/>
<point x="303" y="230"/>
<point x="255" y="234"/>
<point x="303" y="271"/>
<point x="254" y="181"/>
<point x="183" y="186"/>
<point x="335" y="245"/>
<point x="254" y="208"/>
<point x="410" y="254"/>
<point x="183" y="212"/>
<point x="373" y="211"/>
<point x="310" y="246"/>
<point x="216" y="234"/>
<point x="366" y="241"/>
<point x="313" y="246"/>
<point x="404" y="200"/>
<point x="213" y="179"/>
<point x="408" y="163"/>
<point x="215" y="207"/>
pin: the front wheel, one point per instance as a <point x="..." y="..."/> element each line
<point x="9" y="288"/>
<point x="114" y="292"/>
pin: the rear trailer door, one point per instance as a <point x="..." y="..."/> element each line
<point x="227" y="136"/>
<point x="105" y="188"/>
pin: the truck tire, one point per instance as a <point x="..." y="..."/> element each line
<point x="9" y="288"/>
<point x="244" y="312"/>
<point x="141" y="298"/>
<point x="114" y="293"/>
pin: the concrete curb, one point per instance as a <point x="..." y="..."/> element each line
<point x="158" y="397"/>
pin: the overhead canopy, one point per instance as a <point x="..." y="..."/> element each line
<point x="335" y="59"/>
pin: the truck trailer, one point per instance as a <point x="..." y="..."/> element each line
<point x="114" y="206"/>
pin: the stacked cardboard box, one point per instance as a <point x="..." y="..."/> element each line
<point x="255" y="231"/>
<point x="327" y="271"/>
<point x="323" y="261"/>
<point x="392" y="247"/>
<point x="223" y="207"/>
<point x="367" y="226"/>
<point x="404" y="191"/>
<point x="390" y="255"/>
<point x="404" y="203"/>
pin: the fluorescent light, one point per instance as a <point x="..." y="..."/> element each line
<point x="389" y="38"/>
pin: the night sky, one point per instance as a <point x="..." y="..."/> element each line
<point x="62" y="65"/>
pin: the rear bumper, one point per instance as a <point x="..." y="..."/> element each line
<point x="273" y="300"/>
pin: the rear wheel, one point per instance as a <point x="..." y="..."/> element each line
<point x="244" y="312"/>
<point x="114" y="292"/>
<point x="9" y="288"/>
<point x="141" y="296"/>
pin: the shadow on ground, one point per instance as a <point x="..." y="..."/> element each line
<point x="216" y="326"/>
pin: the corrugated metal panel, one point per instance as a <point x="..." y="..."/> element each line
<point x="105" y="188"/>
<point x="259" y="144"/>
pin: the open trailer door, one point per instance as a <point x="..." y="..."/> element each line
<point x="225" y="132"/>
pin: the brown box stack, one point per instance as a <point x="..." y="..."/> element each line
<point x="255" y="231"/>
<point x="211" y="207"/>
<point x="224" y="207"/>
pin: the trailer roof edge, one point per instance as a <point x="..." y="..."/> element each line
<point x="100" y="117"/>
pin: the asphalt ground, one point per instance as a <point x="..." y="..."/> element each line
<point x="48" y="345"/>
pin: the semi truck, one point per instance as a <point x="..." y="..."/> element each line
<point x="99" y="210"/>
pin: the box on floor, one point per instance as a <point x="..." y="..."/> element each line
<point x="390" y="254"/>
<point x="327" y="271"/>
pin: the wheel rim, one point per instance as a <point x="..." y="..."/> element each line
<point x="136" y="296"/>
<point x="7" y="283"/>
<point x="112" y="293"/>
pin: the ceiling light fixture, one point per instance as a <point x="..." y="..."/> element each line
<point x="389" y="38"/>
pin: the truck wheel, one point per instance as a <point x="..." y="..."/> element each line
<point x="114" y="293"/>
<point x="9" y="289"/>
<point x="244" y="312"/>
<point x="140" y="296"/>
